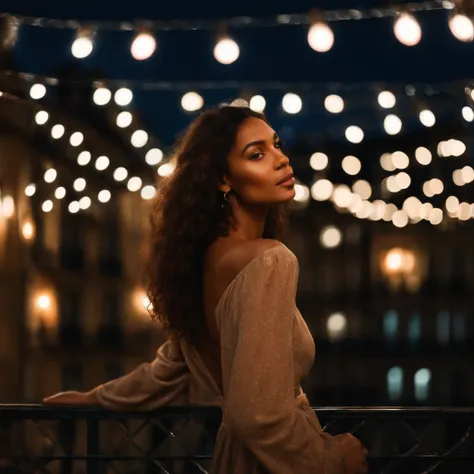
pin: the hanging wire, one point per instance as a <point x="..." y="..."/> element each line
<point x="235" y="22"/>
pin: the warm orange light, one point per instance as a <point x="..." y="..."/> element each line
<point x="43" y="302"/>
<point x="393" y="261"/>
<point x="28" y="230"/>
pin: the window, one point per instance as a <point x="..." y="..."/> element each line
<point x="395" y="383"/>
<point x="70" y="315"/>
<point x="459" y="326"/>
<point x="390" y="325"/>
<point x="422" y="384"/>
<point x="71" y="250"/>
<point x="443" y="319"/>
<point x="414" y="329"/>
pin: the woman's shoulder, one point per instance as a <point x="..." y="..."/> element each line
<point x="243" y="255"/>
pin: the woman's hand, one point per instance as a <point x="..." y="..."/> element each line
<point x="354" y="452"/>
<point x="72" y="398"/>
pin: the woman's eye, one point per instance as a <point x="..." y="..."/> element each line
<point x="256" y="155"/>
<point x="278" y="145"/>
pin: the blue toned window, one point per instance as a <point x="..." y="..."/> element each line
<point x="443" y="323"/>
<point x="395" y="383"/>
<point x="422" y="384"/>
<point x="459" y="326"/>
<point x="414" y="329"/>
<point x="390" y="325"/>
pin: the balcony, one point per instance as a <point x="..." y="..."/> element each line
<point x="180" y="440"/>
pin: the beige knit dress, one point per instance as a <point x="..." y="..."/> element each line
<point x="267" y="425"/>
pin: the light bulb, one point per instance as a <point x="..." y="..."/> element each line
<point x="320" y="37"/>
<point x="37" y="91"/>
<point x="82" y="46"/>
<point x="427" y="118"/>
<point x="407" y="30"/>
<point x="387" y="99"/>
<point x="192" y="101"/>
<point x="392" y="124"/>
<point x="102" y="96"/>
<point x="257" y="103"/>
<point x="292" y="103"/>
<point x="226" y="51"/>
<point x="461" y="27"/>
<point x="41" y="117"/>
<point x="143" y="46"/>
<point x="123" y="97"/>
<point x="124" y="119"/>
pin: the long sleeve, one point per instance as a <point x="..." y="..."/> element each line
<point x="151" y="385"/>
<point x="260" y="400"/>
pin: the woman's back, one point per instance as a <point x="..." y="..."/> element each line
<point x="223" y="262"/>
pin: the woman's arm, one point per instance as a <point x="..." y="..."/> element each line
<point x="151" y="385"/>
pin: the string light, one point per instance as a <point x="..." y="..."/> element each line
<point x="85" y="202"/>
<point x="392" y="124"/>
<point x="154" y="156"/>
<point x="120" y="174"/>
<point x="165" y="170"/>
<point x="427" y="118"/>
<point x="386" y="99"/>
<point x="123" y="96"/>
<point x="461" y="27"/>
<point x="139" y="138"/>
<point x="407" y="29"/>
<point x="30" y="190"/>
<point x="60" y="192"/>
<point x="226" y="51"/>
<point x="50" y="175"/>
<point x="57" y="131"/>
<point x="318" y="161"/>
<point x="354" y="134"/>
<point x="102" y="163"/>
<point x="83" y="44"/>
<point x="292" y="103"/>
<point x="47" y="206"/>
<point x="104" y="196"/>
<point x="79" y="184"/>
<point x="37" y="91"/>
<point x="124" y="119"/>
<point x="134" y="184"/>
<point x="41" y="117"/>
<point x="74" y="207"/>
<point x="76" y="139"/>
<point x="84" y="158"/>
<point x="468" y="114"/>
<point x="148" y="192"/>
<point x="258" y="103"/>
<point x="351" y="165"/>
<point x="143" y="46"/>
<point x="192" y="101"/>
<point x="102" y="96"/>
<point x="320" y="37"/>
<point x="334" y="103"/>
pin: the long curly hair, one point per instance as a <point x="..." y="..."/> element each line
<point x="188" y="214"/>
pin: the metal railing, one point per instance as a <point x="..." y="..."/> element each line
<point x="180" y="440"/>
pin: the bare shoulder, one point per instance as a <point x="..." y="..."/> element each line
<point x="236" y="259"/>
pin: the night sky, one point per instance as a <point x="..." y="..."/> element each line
<point x="365" y="52"/>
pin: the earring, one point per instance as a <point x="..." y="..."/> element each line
<point x="225" y="195"/>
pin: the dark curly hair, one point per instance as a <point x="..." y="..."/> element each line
<point x="188" y="214"/>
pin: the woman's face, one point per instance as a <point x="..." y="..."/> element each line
<point x="259" y="171"/>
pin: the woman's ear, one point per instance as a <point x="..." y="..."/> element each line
<point x="224" y="185"/>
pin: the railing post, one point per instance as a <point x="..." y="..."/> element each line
<point x="92" y="463"/>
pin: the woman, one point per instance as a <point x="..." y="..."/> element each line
<point x="225" y="291"/>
